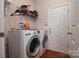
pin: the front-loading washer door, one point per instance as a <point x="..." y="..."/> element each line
<point x="44" y="42"/>
<point x="33" y="46"/>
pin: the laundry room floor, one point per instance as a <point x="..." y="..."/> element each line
<point x="54" y="54"/>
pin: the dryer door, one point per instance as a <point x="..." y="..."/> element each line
<point x="45" y="40"/>
<point x="33" y="47"/>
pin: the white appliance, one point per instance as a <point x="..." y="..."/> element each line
<point x="43" y="41"/>
<point x="24" y="44"/>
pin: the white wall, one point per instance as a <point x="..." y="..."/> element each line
<point x="10" y="21"/>
<point x="42" y="7"/>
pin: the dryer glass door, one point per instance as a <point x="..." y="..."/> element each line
<point x="44" y="42"/>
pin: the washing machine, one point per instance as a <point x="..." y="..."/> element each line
<point x="24" y="44"/>
<point x="43" y="41"/>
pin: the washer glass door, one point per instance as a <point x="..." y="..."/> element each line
<point x="33" y="46"/>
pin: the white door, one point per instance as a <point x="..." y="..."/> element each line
<point x="2" y="49"/>
<point x="58" y="28"/>
<point x="74" y="28"/>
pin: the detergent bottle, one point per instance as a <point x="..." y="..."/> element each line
<point x="21" y="26"/>
<point x="16" y="27"/>
<point x="26" y="26"/>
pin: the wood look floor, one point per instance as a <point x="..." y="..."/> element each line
<point x="54" y="54"/>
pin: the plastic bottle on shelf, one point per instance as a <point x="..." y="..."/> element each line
<point x="26" y="26"/>
<point x="21" y="26"/>
<point x="16" y="27"/>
